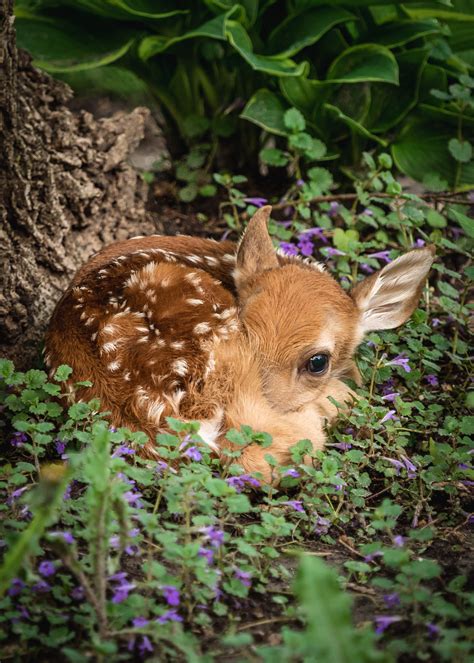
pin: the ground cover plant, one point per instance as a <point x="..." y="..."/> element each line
<point x="362" y="73"/>
<point x="360" y="555"/>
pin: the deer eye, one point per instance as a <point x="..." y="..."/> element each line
<point x="318" y="364"/>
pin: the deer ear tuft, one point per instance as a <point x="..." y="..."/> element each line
<point x="387" y="298"/>
<point x="255" y="253"/>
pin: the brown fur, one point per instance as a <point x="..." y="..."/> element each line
<point x="187" y="327"/>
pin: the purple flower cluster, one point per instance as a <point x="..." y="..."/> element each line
<point x="18" y="439"/>
<point x="296" y="505"/>
<point x="171" y="594"/>
<point x="384" y="621"/>
<point x="256" y="201"/>
<point x="244" y="577"/>
<point x="390" y="415"/>
<point x="401" y="360"/>
<point x="405" y="463"/>
<point x="121" y="587"/>
<point x="321" y="525"/>
<point x="214" y="535"/>
<point x="239" y="482"/>
<point x="381" y="255"/>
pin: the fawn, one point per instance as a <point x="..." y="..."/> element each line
<point x="222" y="333"/>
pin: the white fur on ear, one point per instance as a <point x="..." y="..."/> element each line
<point x="387" y="298"/>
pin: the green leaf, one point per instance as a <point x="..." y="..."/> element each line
<point x="402" y="32"/>
<point x="367" y="62"/>
<point x="62" y="373"/>
<point x="62" y="45"/>
<point x="266" y="110"/>
<point x="126" y="9"/>
<point x="273" y="157"/>
<point x="294" y="120"/>
<point x="112" y="79"/>
<point x="298" y="32"/>
<point x="275" y="66"/>
<point x="422" y="148"/>
<point x="435" y="219"/>
<point x="464" y="221"/>
<point x="213" y="29"/>
<point x="353" y="124"/>
<point x="460" y="150"/>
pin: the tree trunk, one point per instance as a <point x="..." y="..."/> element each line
<point x="65" y="191"/>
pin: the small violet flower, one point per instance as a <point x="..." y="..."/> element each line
<point x="257" y="202"/>
<point x="334" y="252"/>
<point x="296" y="505"/>
<point x="333" y="209"/>
<point x="214" y="535"/>
<point x="208" y="554"/>
<point x="433" y="630"/>
<point x="171" y="595"/>
<point x="398" y="541"/>
<point x="432" y="380"/>
<point x="289" y="248"/>
<point x="390" y="415"/>
<point x="401" y="360"/>
<point x="16" y="587"/>
<point x="193" y="453"/>
<point x="244" y="577"/>
<point x="47" y="569"/>
<point x="239" y="482"/>
<point x="123" y="450"/>
<point x="391" y="600"/>
<point x="169" y="616"/>
<point x="391" y="397"/>
<point x="139" y="622"/>
<point x="322" y="525"/>
<point x="384" y="622"/>
<point x="60" y="447"/>
<point x="381" y="255"/>
<point x="292" y="473"/>
<point x="67" y="537"/>
<point x="18" y="439"/>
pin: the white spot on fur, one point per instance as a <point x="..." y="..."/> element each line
<point x="111" y="346"/>
<point x="180" y="366"/>
<point x="113" y="366"/>
<point x="202" y="328"/>
<point x="210" y="430"/>
<point x="109" y="329"/>
<point x="126" y="376"/>
<point x="155" y="411"/>
<point x="211" y="261"/>
<point x="177" y="345"/>
<point x="194" y="259"/>
<point x="195" y="302"/>
<point x="228" y="257"/>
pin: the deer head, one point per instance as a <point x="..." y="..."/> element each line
<point x="302" y="328"/>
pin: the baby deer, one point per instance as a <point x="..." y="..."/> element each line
<point x="223" y="334"/>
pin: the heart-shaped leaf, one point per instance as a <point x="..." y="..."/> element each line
<point x="266" y="110"/>
<point x="366" y="62"/>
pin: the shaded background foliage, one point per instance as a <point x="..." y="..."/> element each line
<point x="362" y="73"/>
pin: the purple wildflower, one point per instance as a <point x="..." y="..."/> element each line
<point x="299" y="182"/>
<point x="410" y="467"/>
<point x="244" y="577"/>
<point x="390" y="415"/>
<point x="169" y="616"/>
<point x="67" y="537"/>
<point x="368" y="212"/>
<point x="296" y="505"/>
<point x="122" y="588"/>
<point x="67" y="492"/>
<point x="240" y="481"/>
<point x="145" y="645"/>
<point x="208" y="555"/>
<point x="133" y="498"/>
<point x="78" y="593"/>
<point x="432" y="380"/>
<point x="41" y="587"/>
<point x="289" y="248"/>
<point x="47" y="569"/>
<point x="314" y="232"/>
<point x="322" y="525"/>
<point x="391" y="600"/>
<point x="60" y="447"/>
<point x="123" y="450"/>
<point x="257" y="202"/>
<point x="435" y="322"/>
<point x="433" y="630"/>
<point x="16" y="587"/>
<point x="419" y="243"/>
<point x="366" y="268"/>
<point x="388" y="386"/>
<point x="373" y="555"/>
<point x="401" y="360"/>
<point x="398" y="541"/>
<point x="139" y="622"/>
<point x="193" y="453"/>
<point x="334" y="252"/>
<point x="306" y="247"/>
<point x="18" y="439"/>
<point x="333" y="209"/>
<point x="381" y="255"/>
<point x="16" y="494"/>
<point x="384" y="622"/>
<point x="171" y="595"/>
<point x="342" y="446"/>
<point x="214" y="535"/>
<point x="292" y="473"/>
<point x="391" y="397"/>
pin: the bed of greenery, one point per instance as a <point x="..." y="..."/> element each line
<point x="361" y="556"/>
<point x="364" y="73"/>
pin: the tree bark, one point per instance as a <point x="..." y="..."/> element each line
<point x="66" y="189"/>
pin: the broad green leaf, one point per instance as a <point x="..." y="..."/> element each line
<point x="423" y="148"/>
<point x="294" y="120"/>
<point x="464" y="221"/>
<point x="120" y="9"/>
<point x="240" y="40"/>
<point x="65" y="45"/>
<point x="213" y="29"/>
<point x="402" y="32"/>
<point x="352" y="124"/>
<point x="390" y="104"/>
<point x="435" y="219"/>
<point x="266" y="110"/>
<point x="305" y="93"/>
<point x="297" y="32"/>
<point x="112" y="79"/>
<point x="366" y="62"/>
<point x="460" y="150"/>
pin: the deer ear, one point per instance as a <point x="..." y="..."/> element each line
<point x="387" y="298"/>
<point x="255" y="253"/>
